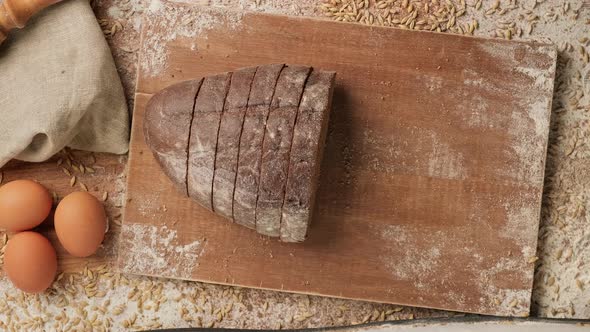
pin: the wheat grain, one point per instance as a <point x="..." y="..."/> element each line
<point x="513" y="303"/>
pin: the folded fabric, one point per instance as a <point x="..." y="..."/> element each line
<point x="59" y="87"/>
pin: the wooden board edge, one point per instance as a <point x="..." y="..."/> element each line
<point x="552" y="48"/>
<point x="131" y="156"/>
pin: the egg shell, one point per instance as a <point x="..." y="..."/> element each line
<point x="80" y="223"/>
<point x="30" y="262"/>
<point x="24" y="204"/>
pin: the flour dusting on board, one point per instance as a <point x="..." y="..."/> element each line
<point x="509" y="301"/>
<point x="520" y="219"/>
<point x="428" y="270"/>
<point x="540" y="77"/>
<point x="433" y="270"/>
<point x="479" y="114"/>
<point x="151" y="250"/>
<point x="532" y="110"/>
<point x="414" y="266"/>
<point x="173" y="21"/>
<point x="445" y="162"/>
<point x="440" y="158"/>
<point x="525" y="146"/>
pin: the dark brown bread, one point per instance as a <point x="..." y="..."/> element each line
<point x="203" y="138"/>
<point x="276" y="148"/>
<point x="246" y="145"/>
<point x="306" y="155"/>
<point x="166" y="128"/>
<point x="228" y="142"/>
<point x="247" y="179"/>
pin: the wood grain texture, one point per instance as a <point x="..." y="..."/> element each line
<point x="432" y="176"/>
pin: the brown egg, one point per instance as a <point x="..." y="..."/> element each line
<point x="24" y="204"/>
<point x="80" y="223"/>
<point x="30" y="262"/>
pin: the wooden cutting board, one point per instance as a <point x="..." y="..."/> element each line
<point x="432" y="177"/>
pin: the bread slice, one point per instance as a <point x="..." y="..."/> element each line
<point x="276" y="148"/>
<point x="228" y="142"/>
<point x="248" y="171"/>
<point x="306" y="155"/>
<point x="166" y="128"/>
<point x="203" y="137"/>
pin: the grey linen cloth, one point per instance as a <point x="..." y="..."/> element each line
<point x="59" y="87"/>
